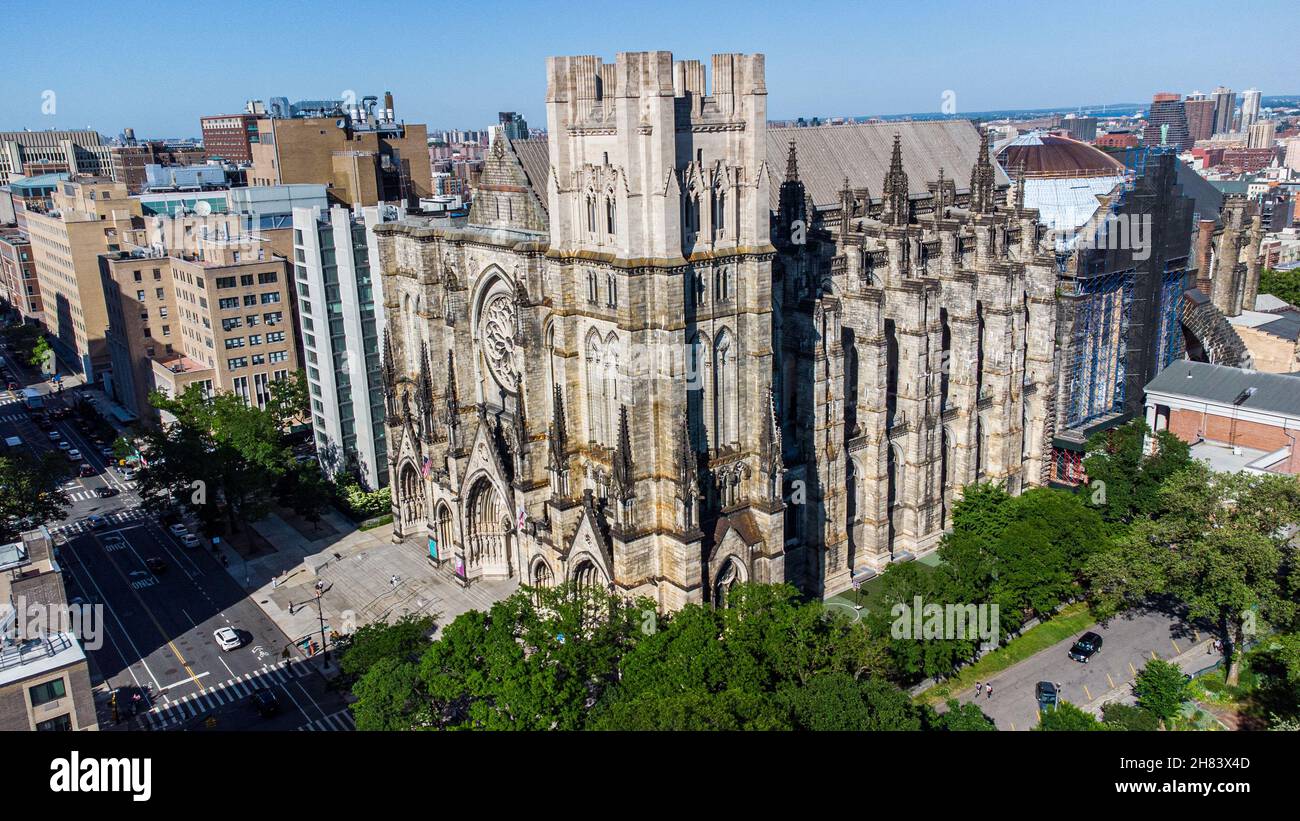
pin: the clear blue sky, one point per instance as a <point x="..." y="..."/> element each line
<point x="455" y="64"/>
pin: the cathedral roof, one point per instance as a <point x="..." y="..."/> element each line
<point x="1039" y="155"/>
<point x="862" y="151"/>
<point x="828" y="154"/>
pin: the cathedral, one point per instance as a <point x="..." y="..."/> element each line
<point x="673" y="348"/>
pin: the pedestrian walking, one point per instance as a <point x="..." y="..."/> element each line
<point x="989" y="690"/>
<point x="979" y="689"/>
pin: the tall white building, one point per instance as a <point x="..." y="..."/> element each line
<point x="341" y="319"/>
<point x="1249" y="109"/>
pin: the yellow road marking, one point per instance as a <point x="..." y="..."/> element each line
<point x="1111" y="680"/>
<point x="1132" y="668"/>
<point x="1087" y="692"/>
<point x="1013" y="725"/>
<point x="193" y="677"/>
<point x="1177" y="652"/>
<point x="1153" y="654"/>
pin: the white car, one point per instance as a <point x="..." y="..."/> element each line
<point x="74" y="455"/>
<point x="179" y="529"/>
<point x="190" y="540"/>
<point x="63" y="445"/>
<point x="227" y="638"/>
<point x="128" y="475"/>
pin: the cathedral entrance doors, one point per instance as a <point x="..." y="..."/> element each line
<point x="489" y="532"/>
<point x="411" y="500"/>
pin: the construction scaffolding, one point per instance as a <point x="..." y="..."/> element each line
<point x="1171" y="346"/>
<point x="1096" y="367"/>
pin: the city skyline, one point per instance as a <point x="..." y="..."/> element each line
<point x="809" y="74"/>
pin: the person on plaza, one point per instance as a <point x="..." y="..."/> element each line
<point x="979" y="688"/>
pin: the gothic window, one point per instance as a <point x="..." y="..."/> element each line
<point x="591" y="213"/>
<point x="697" y="382"/>
<point x="592" y="287"/>
<point x="597" y="423"/>
<point x="730" y="575"/>
<point x="692" y="219"/>
<point x="723" y="284"/>
<point x="611" y="291"/>
<point x="586" y="576"/>
<point x="609" y="365"/>
<point x="725" y="389"/>
<point x="611" y="217"/>
<point x="720" y="219"/>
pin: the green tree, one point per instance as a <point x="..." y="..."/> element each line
<point x="40" y="353"/>
<point x="833" y="701"/>
<point x="1124" y="480"/>
<point x="391" y="696"/>
<point x="1068" y="718"/>
<point x="962" y="718"/>
<point x="405" y="640"/>
<point x="537" y="660"/>
<point x="30" y="488"/>
<point x="1285" y="285"/>
<point x="1218" y="545"/>
<point x="1129" y="717"/>
<point x="1161" y="688"/>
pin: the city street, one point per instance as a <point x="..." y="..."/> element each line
<point x="162" y="603"/>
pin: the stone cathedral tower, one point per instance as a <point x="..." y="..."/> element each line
<point x="580" y="381"/>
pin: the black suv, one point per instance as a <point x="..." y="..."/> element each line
<point x="1047" y="694"/>
<point x="1088" y="645"/>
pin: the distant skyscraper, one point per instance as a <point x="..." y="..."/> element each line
<point x="1167" y="122"/>
<point x="1083" y="129"/>
<point x="1260" y="134"/>
<point x="1225" y="102"/>
<point x="1200" y="116"/>
<point x="515" y="126"/>
<point x="1249" y="108"/>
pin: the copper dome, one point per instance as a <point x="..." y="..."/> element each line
<point x="1047" y="155"/>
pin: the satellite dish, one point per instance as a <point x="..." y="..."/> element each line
<point x="203" y="208"/>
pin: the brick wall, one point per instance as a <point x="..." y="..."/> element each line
<point x="1189" y="424"/>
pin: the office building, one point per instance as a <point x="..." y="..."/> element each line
<point x="341" y="317"/>
<point x="230" y="137"/>
<point x="1225" y="106"/>
<point x="30" y="153"/>
<point x="1250" y="99"/>
<point x="514" y="125"/>
<point x="44" y="674"/>
<point x="88" y="217"/>
<point x="1167" y="123"/>
<point x="1200" y="116"/>
<point x="362" y="155"/>
<point x="1261" y="134"/>
<point x="19" y="284"/>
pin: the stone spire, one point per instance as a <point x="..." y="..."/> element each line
<point x="559" y="435"/>
<point x="791" y="207"/>
<point x="624" y="486"/>
<point x="940" y="194"/>
<point x="982" y="179"/>
<point x="453" y="406"/>
<point x="792" y="164"/>
<point x="424" y="395"/>
<point x="897" y="204"/>
<point x="774" y="463"/>
<point x="390" y="375"/>
<point x="688" y="480"/>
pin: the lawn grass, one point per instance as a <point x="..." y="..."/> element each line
<point x="1069" y="621"/>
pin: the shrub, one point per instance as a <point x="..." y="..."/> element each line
<point x="1130" y="717"/>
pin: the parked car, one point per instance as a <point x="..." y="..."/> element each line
<point x="178" y="530"/>
<point x="74" y="455"/>
<point x="190" y="540"/>
<point x="227" y="639"/>
<point x="1088" y="645"/>
<point x="106" y="452"/>
<point x="85" y="470"/>
<point x="54" y="435"/>
<point x="1047" y="695"/>
<point x="64" y="445"/>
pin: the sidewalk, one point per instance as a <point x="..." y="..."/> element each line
<point x="356" y="570"/>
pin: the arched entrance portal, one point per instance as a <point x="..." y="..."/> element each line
<point x="411" y="499"/>
<point x="487" y="543"/>
<point x="730" y="575"/>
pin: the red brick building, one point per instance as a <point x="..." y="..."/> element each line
<point x="230" y="136"/>
<point x="1234" y="419"/>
